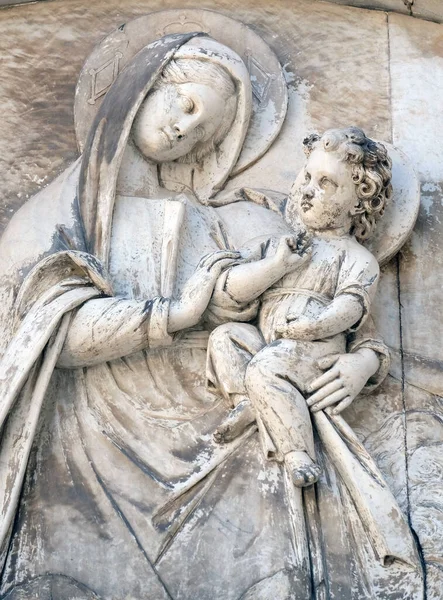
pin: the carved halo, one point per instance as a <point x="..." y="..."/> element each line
<point x="270" y="95"/>
<point x="401" y="212"/>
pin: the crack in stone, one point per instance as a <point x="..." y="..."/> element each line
<point x="405" y="429"/>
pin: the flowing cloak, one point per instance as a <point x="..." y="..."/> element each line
<point x="81" y="507"/>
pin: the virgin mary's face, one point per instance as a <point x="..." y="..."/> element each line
<point x="176" y="117"/>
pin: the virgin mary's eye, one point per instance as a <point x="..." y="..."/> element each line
<point x="187" y="104"/>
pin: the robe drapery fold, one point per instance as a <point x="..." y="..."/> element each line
<point x="230" y="350"/>
<point x="42" y="322"/>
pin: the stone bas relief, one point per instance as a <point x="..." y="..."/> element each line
<point x="177" y="355"/>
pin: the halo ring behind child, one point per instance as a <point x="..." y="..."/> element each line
<point x="401" y="211"/>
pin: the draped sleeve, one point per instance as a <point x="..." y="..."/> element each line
<point x="368" y="337"/>
<point x="105" y="329"/>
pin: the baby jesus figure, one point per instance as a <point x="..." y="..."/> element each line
<point x="315" y="287"/>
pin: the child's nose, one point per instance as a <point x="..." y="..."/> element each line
<point x="308" y="192"/>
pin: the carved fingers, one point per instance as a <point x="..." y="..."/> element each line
<point x="187" y="310"/>
<point x="342" y="405"/>
<point x="326" y="378"/>
<point x="217" y="259"/>
<point x="335" y="387"/>
<point x="296" y="243"/>
<point x="208" y="271"/>
<point x="329" y="393"/>
<point x="326" y="362"/>
<point x="326" y="390"/>
<point x="285" y="248"/>
<point x="331" y="399"/>
<point x="292" y="250"/>
<point x="303" y="243"/>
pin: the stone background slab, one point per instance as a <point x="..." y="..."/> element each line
<point x="424" y="9"/>
<point x="417" y="89"/>
<point x="344" y="65"/>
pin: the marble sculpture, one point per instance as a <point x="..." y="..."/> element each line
<point x="178" y="354"/>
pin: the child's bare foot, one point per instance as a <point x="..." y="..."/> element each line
<point x="304" y="471"/>
<point x="239" y="418"/>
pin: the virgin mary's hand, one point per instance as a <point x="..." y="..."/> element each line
<point x="187" y="310"/>
<point x="344" y="378"/>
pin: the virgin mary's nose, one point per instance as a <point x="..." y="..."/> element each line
<point x="185" y="125"/>
<point x="178" y="130"/>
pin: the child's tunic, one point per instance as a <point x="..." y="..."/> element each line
<point x="337" y="266"/>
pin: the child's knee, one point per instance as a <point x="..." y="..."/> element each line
<point x="222" y="333"/>
<point x="256" y="372"/>
<point x="242" y="334"/>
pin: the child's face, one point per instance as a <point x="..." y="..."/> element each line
<point x="325" y="192"/>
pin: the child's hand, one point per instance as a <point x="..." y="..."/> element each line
<point x="301" y="328"/>
<point x="292" y="251"/>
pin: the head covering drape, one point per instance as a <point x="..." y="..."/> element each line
<point x="110" y="131"/>
<point x="109" y="135"/>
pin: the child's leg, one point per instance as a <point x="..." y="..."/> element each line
<point x="271" y="383"/>
<point x="230" y="348"/>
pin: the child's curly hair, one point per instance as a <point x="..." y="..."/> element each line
<point x="371" y="172"/>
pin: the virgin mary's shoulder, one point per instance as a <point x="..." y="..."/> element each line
<point x="34" y="230"/>
<point x="246" y="220"/>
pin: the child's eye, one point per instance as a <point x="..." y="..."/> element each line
<point x="307" y="177"/>
<point x="187" y="104"/>
<point x="325" y="182"/>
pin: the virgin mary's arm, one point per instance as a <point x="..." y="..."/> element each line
<point x="105" y="329"/>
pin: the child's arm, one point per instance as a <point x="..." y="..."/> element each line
<point x="248" y="281"/>
<point x="339" y="316"/>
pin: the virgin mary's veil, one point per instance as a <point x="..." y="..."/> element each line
<point x="111" y="128"/>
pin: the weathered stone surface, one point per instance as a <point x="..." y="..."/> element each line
<point x="427" y="9"/>
<point x="320" y="96"/>
<point x="423" y="9"/>
<point x="416" y="62"/>
<point x="343" y="65"/>
<point x="45" y="44"/>
<point x="417" y="88"/>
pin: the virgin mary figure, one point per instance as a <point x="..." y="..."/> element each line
<point x="110" y="483"/>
